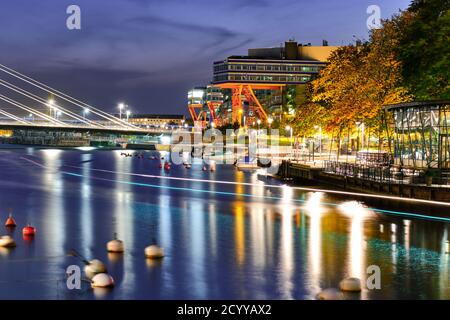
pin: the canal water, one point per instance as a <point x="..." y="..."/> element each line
<point x="239" y="240"/>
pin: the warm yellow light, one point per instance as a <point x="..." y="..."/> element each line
<point x="240" y="110"/>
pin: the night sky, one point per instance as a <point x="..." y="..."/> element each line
<point x="149" y="53"/>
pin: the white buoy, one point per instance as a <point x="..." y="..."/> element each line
<point x="7" y="242"/>
<point x="115" y="245"/>
<point x="102" y="280"/>
<point x="330" y="294"/>
<point x="94" y="267"/>
<point x="350" y="284"/>
<point x="154" y="252"/>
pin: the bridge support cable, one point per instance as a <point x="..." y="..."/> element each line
<point x="32" y="111"/>
<point x="65" y="97"/>
<point x="44" y="102"/>
<point x="13" y="117"/>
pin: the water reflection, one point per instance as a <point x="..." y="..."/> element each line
<point x="217" y="246"/>
<point x="315" y="210"/>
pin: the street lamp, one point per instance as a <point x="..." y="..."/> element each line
<point x="357" y="144"/>
<point x="269" y="121"/>
<point x="85" y="112"/>
<point x="121" y="106"/>
<point x="128" y="114"/>
<point x="289" y="128"/>
<point x="320" y="138"/>
<point x="259" y="122"/>
<point x="50" y="104"/>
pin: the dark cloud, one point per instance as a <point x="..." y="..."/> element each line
<point x="150" y="52"/>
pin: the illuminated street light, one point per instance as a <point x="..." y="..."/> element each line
<point x="85" y="112"/>
<point x="269" y="121"/>
<point x="289" y="128"/>
<point x="121" y="107"/>
<point x="128" y="114"/>
<point x="320" y="137"/>
<point x="50" y="104"/>
<point x="258" y="122"/>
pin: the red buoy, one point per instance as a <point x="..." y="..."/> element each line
<point x="167" y="166"/>
<point x="29" y="231"/>
<point x="10" y="222"/>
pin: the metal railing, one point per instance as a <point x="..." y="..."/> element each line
<point x="384" y="173"/>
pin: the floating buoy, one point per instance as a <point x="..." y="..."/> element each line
<point x="94" y="267"/>
<point x="167" y="166"/>
<point x="154" y="252"/>
<point x="115" y="245"/>
<point x="7" y="242"/>
<point x="350" y="284"/>
<point x="29" y="231"/>
<point x="330" y="294"/>
<point x="10" y="222"/>
<point x="102" y="280"/>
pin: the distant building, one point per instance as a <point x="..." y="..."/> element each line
<point x="204" y="102"/>
<point x="156" y="120"/>
<point x="292" y="64"/>
<point x="264" y="72"/>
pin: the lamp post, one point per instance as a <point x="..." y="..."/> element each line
<point x="121" y="106"/>
<point x="240" y="117"/>
<point x="50" y="104"/>
<point x="357" y="139"/>
<point x="320" y="138"/>
<point x="289" y="128"/>
<point x="128" y="114"/>
<point x="85" y="112"/>
<point x="269" y="121"/>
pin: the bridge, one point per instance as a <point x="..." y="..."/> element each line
<point x="28" y="106"/>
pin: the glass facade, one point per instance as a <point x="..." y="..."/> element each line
<point x="265" y="71"/>
<point x="421" y="134"/>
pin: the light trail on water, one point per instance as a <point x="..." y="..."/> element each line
<point x="234" y="194"/>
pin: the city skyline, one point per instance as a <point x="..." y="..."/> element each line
<point x="170" y="48"/>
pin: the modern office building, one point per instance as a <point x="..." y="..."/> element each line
<point x="263" y="70"/>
